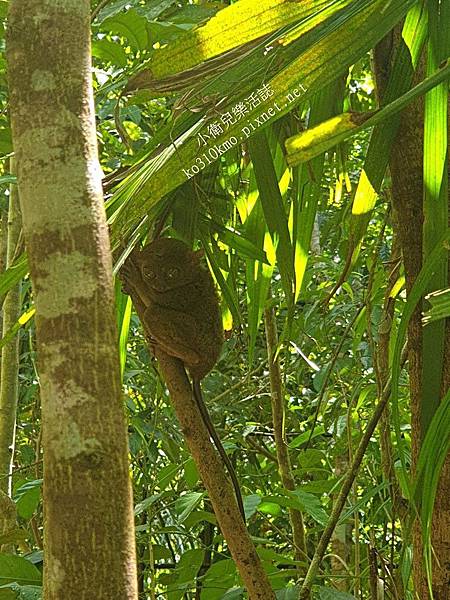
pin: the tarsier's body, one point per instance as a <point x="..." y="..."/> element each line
<point x="178" y="305"/>
<point x="182" y="311"/>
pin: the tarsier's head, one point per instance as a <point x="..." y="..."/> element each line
<point x="167" y="264"/>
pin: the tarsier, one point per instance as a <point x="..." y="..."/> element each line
<point x="177" y="303"/>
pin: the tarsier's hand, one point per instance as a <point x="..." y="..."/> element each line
<point x="132" y="282"/>
<point x="125" y="275"/>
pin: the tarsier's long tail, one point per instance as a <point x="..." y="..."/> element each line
<point x="213" y="433"/>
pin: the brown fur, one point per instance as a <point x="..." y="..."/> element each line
<point x="181" y="306"/>
<point x="177" y="302"/>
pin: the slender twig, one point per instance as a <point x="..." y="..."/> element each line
<point x="339" y="503"/>
<point x="237" y="385"/>
<point x="329" y="372"/>
<point x="24" y="468"/>
<point x="261" y="450"/>
<point x="278" y="419"/>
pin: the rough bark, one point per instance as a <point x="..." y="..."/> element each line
<point x="9" y="388"/>
<point x="406" y="171"/>
<point x="88" y="520"/>
<point x="214" y="477"/>
<point x="406" y="165"/>
<point x="278" y="419"/>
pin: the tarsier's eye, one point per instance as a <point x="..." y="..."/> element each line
<point x="148" y="273"/>
<point x="173" y="272"/>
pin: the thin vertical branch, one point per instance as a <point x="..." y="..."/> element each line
<point x="345" y="489"/>
<point x="278" y="417"/>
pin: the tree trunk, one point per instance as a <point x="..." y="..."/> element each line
<point x="88" y="520"/>
<point x="406" y="166"/>
<point x="213" y="476"/>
